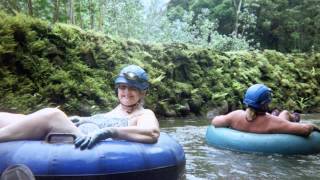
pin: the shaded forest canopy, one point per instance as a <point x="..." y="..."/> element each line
<point x="62" y="65"/>
<point x="282" y="25"/>
<point x="223" y="25"/>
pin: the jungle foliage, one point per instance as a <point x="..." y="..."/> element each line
<point x="282" y="25"/>
<point x="129" y="19"/>
<point x="224" y="25"/>
<point x="62" y="65"/>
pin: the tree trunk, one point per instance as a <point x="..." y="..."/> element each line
<point x="91" y="13"/>
<point x="71" y="12"/>
<point x="66" y="13"/>
<point x="56" y="11"/>
<point x="78" y="20"/>
<point x="101" y="15"/>
<point x="30" y="10"/>
<point x="237" y="7"/>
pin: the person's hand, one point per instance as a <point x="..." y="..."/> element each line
<point x="316" y="128"/>
<point x="88" y="141"/>
<point x="77" y="121"/>
<point x="296" y="117"/>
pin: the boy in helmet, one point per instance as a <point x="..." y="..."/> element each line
<point x="140" y="125"/>
<point x="256" y="119"/>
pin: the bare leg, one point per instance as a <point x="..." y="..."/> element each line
<point x="37" y="125"/>
<point x="8" y="118"/>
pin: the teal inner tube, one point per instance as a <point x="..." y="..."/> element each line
<point x="287" y="144"/>
<point x="110" y="159"/>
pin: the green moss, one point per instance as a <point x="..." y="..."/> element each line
<point x="62" y="65"/>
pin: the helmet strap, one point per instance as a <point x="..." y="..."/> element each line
<point x="129" y="109"/>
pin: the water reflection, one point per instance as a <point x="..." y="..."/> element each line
<point x="206" y="162"/>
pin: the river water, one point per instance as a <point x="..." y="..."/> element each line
<point x="206" y="162"/>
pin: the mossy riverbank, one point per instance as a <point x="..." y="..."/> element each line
<point x="45" y="65"/>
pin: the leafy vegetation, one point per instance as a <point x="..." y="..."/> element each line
<point x="224" y="25"/>
<point x="282" y="25"/>
<point x="129" y="19"/>
<point x="62" y="65"/>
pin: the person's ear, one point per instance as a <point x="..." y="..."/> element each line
<point x="143" y="93"/>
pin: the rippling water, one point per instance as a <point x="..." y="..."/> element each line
<point x="206" y="162"/>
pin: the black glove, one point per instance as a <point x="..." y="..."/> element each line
<point x="88" y="141"/>
<point x="76" y="120"/>
<point x="316" y="128"/>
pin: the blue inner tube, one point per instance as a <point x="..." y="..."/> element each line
<point x="106" y="158"/>
<point x="286" y="144"/>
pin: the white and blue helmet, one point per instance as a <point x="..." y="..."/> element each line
<point x="133" y="76"/>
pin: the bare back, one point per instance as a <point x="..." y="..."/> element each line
<point x="265" y="123"/>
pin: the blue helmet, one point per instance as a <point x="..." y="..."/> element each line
<point x="133" y="76"/>
<point x="258" y="97"/>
